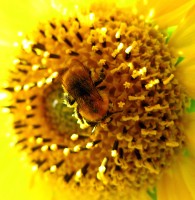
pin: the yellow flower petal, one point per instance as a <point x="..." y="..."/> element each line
<point x="166" y="13"/>
<point x="24" y="16"/>
<point x="183" y="38"/>
<point x="44" y="10"/>
<point x="179" y="182"/>
<point x="186" y="75"/>
<point x="190" y="132"/>
<point x="172" y="185"/>
<point x="188" y="174"/>
<point x="17" y="181"/>
<point x="174" y="16"/>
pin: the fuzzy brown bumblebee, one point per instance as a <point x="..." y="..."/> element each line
<point x="92" y="105"/>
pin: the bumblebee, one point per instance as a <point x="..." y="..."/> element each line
<point x="92" y="104"/>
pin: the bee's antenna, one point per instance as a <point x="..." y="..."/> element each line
<point x="112" y="113"/>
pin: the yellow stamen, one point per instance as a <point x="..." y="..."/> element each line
<point x="126" y="118"/>
<point x="152" y="83"/>
<point x="166" y="81"/>
<point x="74" y="137"/>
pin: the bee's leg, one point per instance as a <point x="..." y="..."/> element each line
<point x="101" y="78"/>
<point x="108" y="117"/>
<point x="68" y="100"/>
<point x="91" y="123"/>
<point x="79" y="115"/>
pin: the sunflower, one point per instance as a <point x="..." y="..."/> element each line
<point x="97" y="100"/>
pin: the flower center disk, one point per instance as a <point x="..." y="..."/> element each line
<point x="59" y="116"/>
<point x="143" y="132"/>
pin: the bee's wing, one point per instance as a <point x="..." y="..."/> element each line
<point x="78" y="83"/>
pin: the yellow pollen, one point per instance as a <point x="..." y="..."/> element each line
<point x="114" y="153"/>
<point x="28" y="86"/>
<point x="102" y="62"/>
<point x="49" y="80"/>
<point x="118" y="34"/>
<point x="103" y="30"/>
<point x="54" y="74"/>
<point x="66" y="151"/>
<point x="95" y="48"/>
<point x="141" y="72"/>
<point x="102" y="169"/>
<point x="27" y="44"/>
<point x="152" y="83"/>
<point x="53" y="168"/>
<point x="78" y="175"/>
<point x="77" y="148"/>
<point x="38" y="52"/>
<point x="17" y="88"/>
<point x="39" y="140"/>
<point x="130" y="65"/>
<point x="40" y="83"/>
<point x="74" y="137"/>
<point x="35" y="67"/>
<point x="121" y="104"/>
<point x="120" y="46"/>
<point x="129" y="48"/>
<point x="46" y="54"/>
<point x="127" y="85"/>
<point x="44" y="148"/>
<point x="54" y="147"/>
<point x="89" y="145"/>
<point x="28" y="107"/>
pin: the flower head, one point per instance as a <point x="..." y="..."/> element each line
<point x="99" y="98"/>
